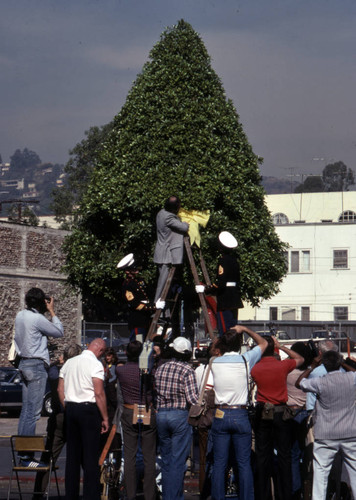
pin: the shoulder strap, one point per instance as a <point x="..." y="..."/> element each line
<point x="202" y="390"/>
<point x="249" y="399"/>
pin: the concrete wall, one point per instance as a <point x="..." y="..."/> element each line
<point x="31" y="256"/>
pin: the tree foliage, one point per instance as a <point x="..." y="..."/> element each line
<point x="335" y="177"/>
<point x="312" y="184"/>
<point x="21" y="214"/>
<point x="78" y="170"/>
<point x="23" y="162"/>
<point x="176" y="134"/>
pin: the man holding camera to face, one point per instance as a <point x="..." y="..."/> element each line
<point x="31" y="331"/>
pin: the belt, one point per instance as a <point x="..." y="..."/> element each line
<point x="232" y="407"/>
<point x="171" y="409"/>
<point x="83" y="403"/>
<point x="41" y="359"/>
<point x="131" y="407"/>
<point x="296" y="407"/>
<point x="231" y="283"/>
<point x="38" y="359"/>
<point x="277" y="408"/>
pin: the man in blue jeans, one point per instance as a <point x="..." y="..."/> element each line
<point x="31" y="331"/>
<point x="231" y="426"/>
<point x="176" y="390"/>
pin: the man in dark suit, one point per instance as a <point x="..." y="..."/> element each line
<point x="169" y="246"/>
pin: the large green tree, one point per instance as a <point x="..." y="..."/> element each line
<point x="176" y="134"/>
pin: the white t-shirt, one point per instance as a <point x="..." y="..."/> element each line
<point x="229" y="376"/>
<point x="200" y="373"/>
<point x="78" y="374"/>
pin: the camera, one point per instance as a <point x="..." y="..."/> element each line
<point x="47" y="298"/>
<point x="313" y="348"/>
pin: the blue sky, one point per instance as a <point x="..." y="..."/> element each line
<point x="288" y="66"/>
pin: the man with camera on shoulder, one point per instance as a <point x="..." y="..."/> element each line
<point x="31" y="331"/>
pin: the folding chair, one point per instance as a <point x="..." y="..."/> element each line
<point x="30" y="444"/>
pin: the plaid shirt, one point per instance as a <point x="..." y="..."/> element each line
<point x="176" y="386"/>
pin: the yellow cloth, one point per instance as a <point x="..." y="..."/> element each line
<point x="195" y="218"/>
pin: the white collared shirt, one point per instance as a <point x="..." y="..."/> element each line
<point x="78" y="374"/>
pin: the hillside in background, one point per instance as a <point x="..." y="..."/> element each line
<point x="274" y="185"/>
<point x="25" y="179"/>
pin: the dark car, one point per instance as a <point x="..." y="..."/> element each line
<point x="326" y="334"/>
<point x="11" y="392"/>
<point x="279" y="334"/>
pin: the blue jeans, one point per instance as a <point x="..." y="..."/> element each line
<point x="233" y="427"/>
<point x="34" y="379"/>
<point x="174" y="438"/>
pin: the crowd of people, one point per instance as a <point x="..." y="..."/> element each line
<point x="279" y="418"/>
<point x="267" y="454"/>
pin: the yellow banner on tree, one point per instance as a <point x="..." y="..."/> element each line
<point x="195" y="218"/>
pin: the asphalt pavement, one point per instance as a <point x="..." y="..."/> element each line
<point x="8" y="427"/>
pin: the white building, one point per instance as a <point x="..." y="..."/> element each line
<point x="320" y="229"/>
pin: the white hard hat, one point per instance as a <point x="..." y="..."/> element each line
<point x="227" y="239"/>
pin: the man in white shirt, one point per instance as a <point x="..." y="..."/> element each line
<point x="81" y="392"/>
<point x="231" y="424"/>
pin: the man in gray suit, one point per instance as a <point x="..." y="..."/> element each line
<point x="169" y="246"/>
<point x="335" y="420"/>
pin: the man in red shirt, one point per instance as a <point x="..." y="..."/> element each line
<point x="272" y="429"/>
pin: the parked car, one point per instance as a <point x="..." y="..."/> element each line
<point x="279" y="334"/>
<point x="327" y="334"/>
<point x="11" y="392"/>
<point x="340" y="338"/>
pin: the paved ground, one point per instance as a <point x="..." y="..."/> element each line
<point x="8" y="427"/>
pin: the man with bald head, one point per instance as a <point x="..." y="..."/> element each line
<point x="81" y="392"/>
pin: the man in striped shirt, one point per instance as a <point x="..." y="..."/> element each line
<point x="176" y="390"/>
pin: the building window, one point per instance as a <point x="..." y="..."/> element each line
<point x="300" y="261"/>
<point x="305" y="313"/>
<point x="280" y="219"/>
<point x="288" y="313"/>
<point x="273" y="313"/>
<point x="294" y="262"/>
<point x="305" y="260"/>
<point x="347" y="216"/>
<point x="341" y="313"/>
<point x="340" y="259"/>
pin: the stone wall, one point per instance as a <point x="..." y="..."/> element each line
<point x="31" y="256"/>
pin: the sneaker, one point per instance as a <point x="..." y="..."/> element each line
<point x="32" y="463"/>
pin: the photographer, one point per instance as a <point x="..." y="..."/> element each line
<point x="31" y="332"/>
